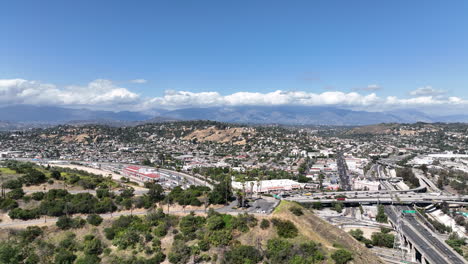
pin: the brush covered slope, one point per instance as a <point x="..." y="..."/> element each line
<point x="292" y="234"/>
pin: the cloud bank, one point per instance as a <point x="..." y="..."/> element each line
<point x="104" y="94"/>
<point x="96" y="93"/>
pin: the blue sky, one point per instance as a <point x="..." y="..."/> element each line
<point x="194" y="48"/>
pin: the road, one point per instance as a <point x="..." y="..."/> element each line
<point x="190" y="178"/>
<point x="384" y="198"/>
<point x="423" y="239"/>
<point x="343" y="172"/>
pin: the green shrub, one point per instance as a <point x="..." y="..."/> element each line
<point x="180" y="253"/>
<point x="23" y="214"/>
<point x="242" y="254"/>
<point x="381" y="217"/>
<point x="342" y="256"/>
<point x="65" y="222"/>
<point x="12" y="184"/>
<point x="264" y="224"/>
<point x="297" y="211"/>
<point x="94" y="219"/>
<point x="382" y="239"/>
<point x="37" y="196"/>
<point x="285" y="228"/>
<point x="16" y="194"/>
<point x="64" y="257"/>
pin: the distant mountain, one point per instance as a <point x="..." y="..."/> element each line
<point x="52" y="114"/>
<point x="301" y="115"/>
<point x="27" y="116"/>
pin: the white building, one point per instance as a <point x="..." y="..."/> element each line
<point x="268" y="186"/>
<point x="366" y="185"/>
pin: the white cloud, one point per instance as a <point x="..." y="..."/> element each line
<point x="104" y="94"/>
<point x="139" y="81"/>
<point x="427" y="91"/>
<point x="98" y="93"/>
<point x="180" y="99"/>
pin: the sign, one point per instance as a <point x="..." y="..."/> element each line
<point x="409" y="211"/>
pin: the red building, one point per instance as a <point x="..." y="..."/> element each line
<point x="141" y="174"/>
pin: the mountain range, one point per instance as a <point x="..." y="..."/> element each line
<point x="19" y="116"/>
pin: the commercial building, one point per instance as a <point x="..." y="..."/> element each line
<point x="268" y="186"/>
<point x="141" y="174"/>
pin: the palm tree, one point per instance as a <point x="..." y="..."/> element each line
<point x="240" y="198"/>
<point x="242" y="180"/>
<point x="259" y="183"/>
<point x="251" y="189"/>
<point x="168" y="202"/>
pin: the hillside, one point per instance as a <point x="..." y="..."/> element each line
<point x="204" y="238"/>
<point x="316" y="229"/>
<point x="380" y="129"/>
<point x="234" y="135"/>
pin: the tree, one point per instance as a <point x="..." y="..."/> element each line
<point x="12" y="184"/>
<point x="264" y="224"/>
<point x="64" y="257"/>
<point x="317" y="205"/>
<point x="180" y="253"/>
<point x="342" y="256"/>
<point x="92" y="245"/>
<point x="215" y="222"/>
<point x="127" y="192"/>
<point x="31" y="233"/>
<point x="65" y="222"/>
<point x="382" y="239"/>
<point x="424" y="169"/>
<point x="16" y="194"/>
<point x="94" y="219"/>
<point x="381" y="217"/>
<point x="279" y="251"/>
<point x="357" y="234"/>
<point x="242" y="255"/>
<point x="88" y="259"/>
<point x="221" y="192"/>
<point x="285" y="228"/>
<point x="10" y="253"/>
<point x="155" y="192"/>
<point x="338" y="206"/>
<point x="56" y="174"/>
<point x="33" y="177"/>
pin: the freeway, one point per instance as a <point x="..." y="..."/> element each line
<point x="423" y="239"/>
<point x="383" y="198"/>
<point x="107" y="168"/>
<point x="427" y="242"/>
<point x="190" y="178"/>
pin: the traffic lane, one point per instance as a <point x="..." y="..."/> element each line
<point x="422" y="246"/>
<point x="441" y="246"/>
